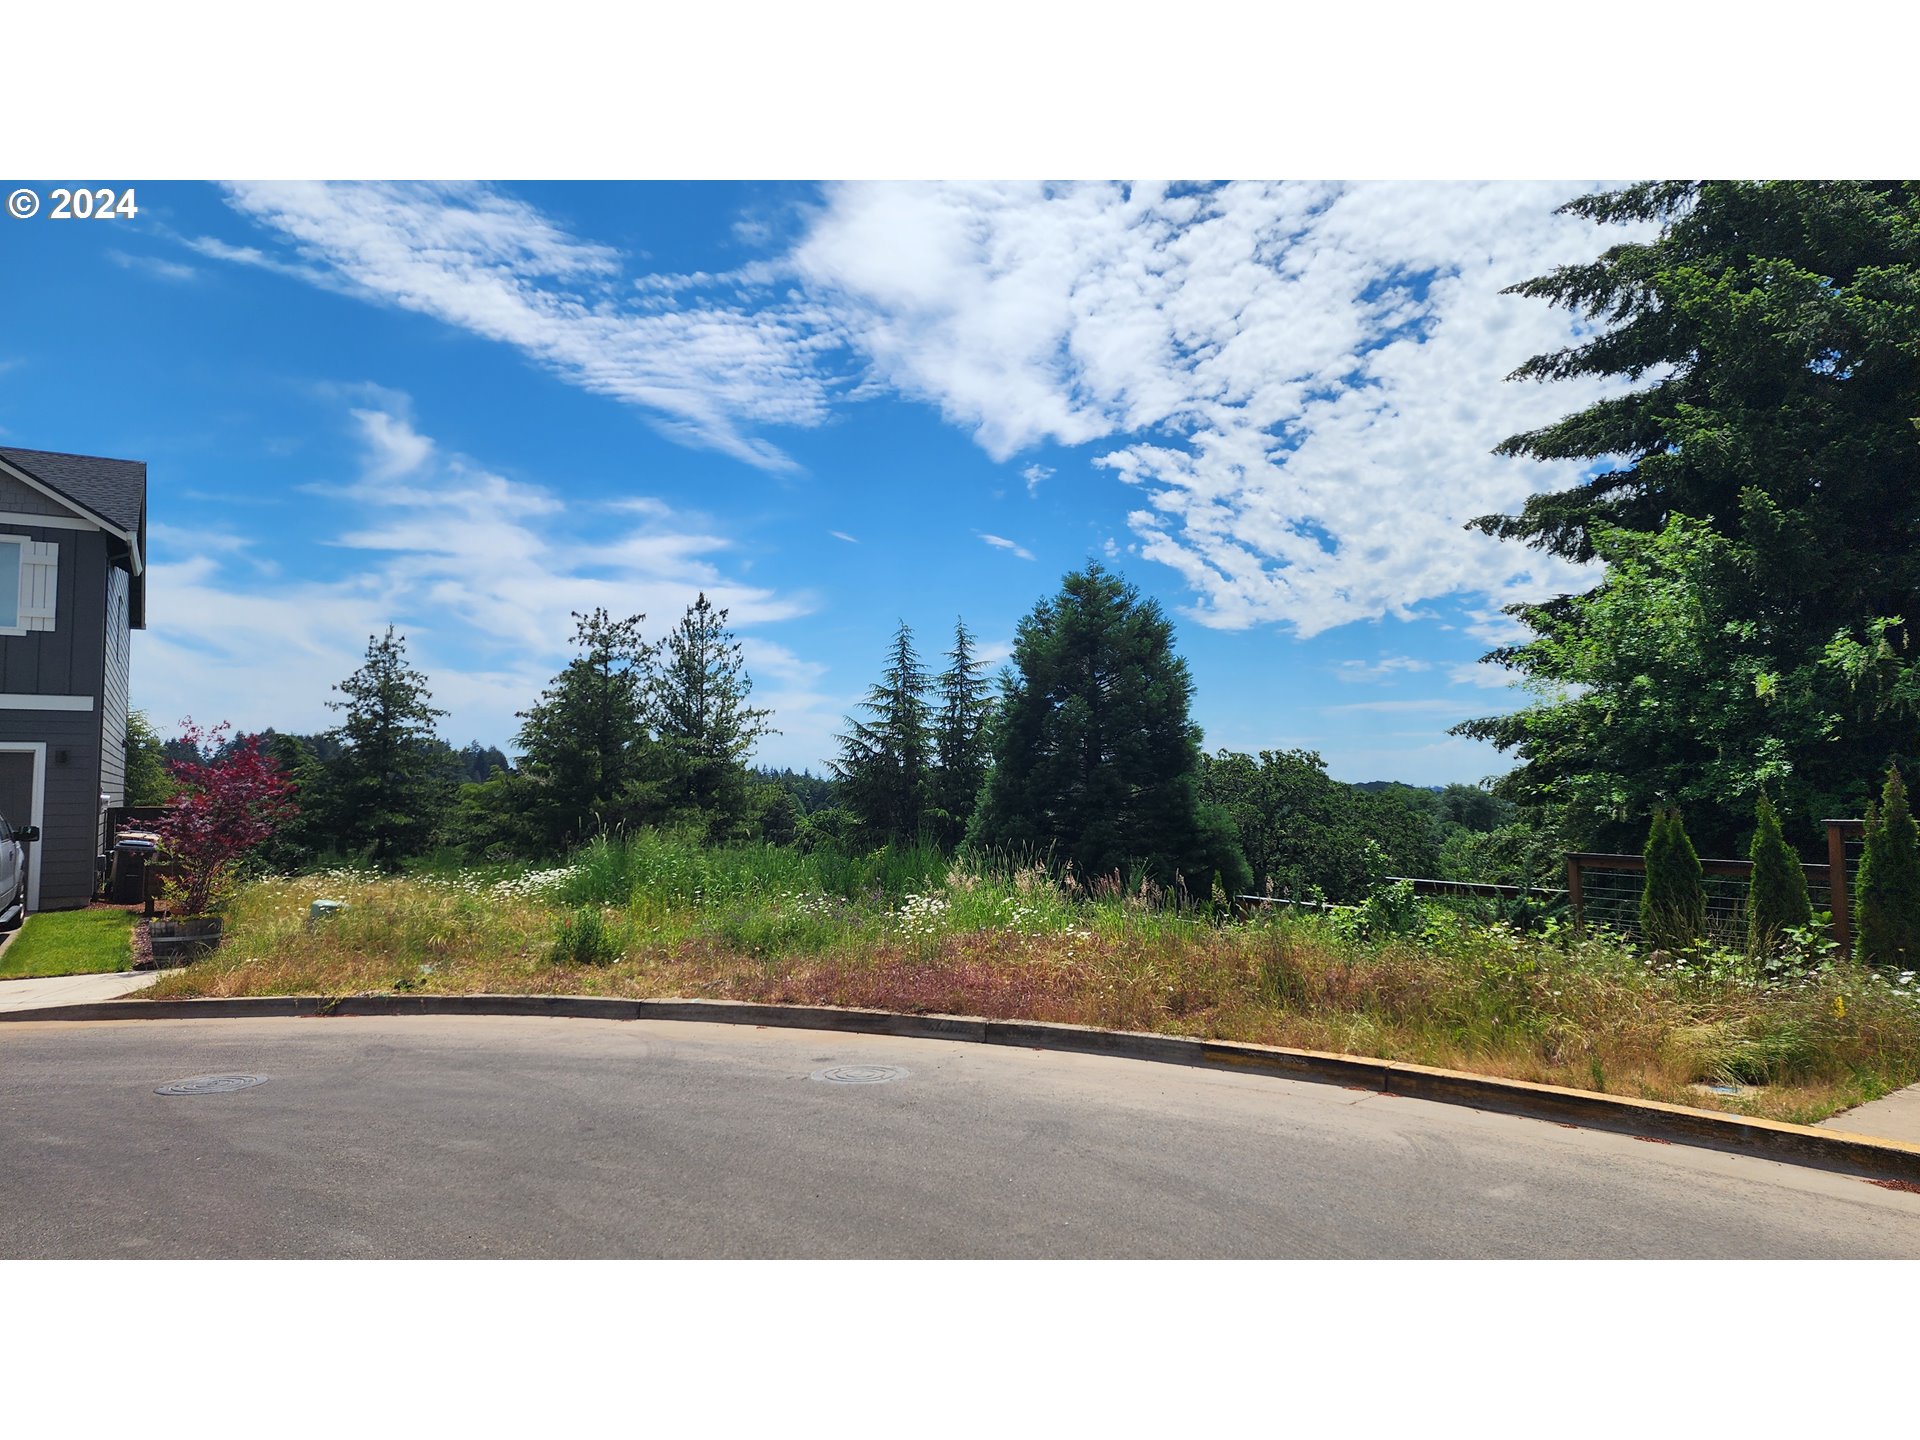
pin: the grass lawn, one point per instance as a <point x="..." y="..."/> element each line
<point x="70" y="942"/>
<point x="654" y="917"/>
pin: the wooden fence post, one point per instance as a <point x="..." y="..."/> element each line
<point x="1573" y="891"/>
<point x="1837" y="885"/>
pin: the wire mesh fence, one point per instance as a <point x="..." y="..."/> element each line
<point x="1610" y="899"/>
<point x="1605" y="890"/>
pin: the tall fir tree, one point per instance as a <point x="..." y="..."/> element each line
<point x="1673" y="902"/>
<point x="589" y="757"/>
<point x="885" y="766"/>
<point x="1887" y="908"/>
<point x="387" y="790"/>
<point x="1096" y="759"/>
<point x="1777" y="893"/>
<point x="1755" y="497"/>
<point x="960" y="735"/>
<point x="705" y="724"/>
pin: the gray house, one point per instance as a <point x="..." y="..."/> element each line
<point x="73" y="540"/>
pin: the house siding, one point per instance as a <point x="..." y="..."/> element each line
<point x="25" y="500"/>
<point x="69" y="659"/>
<point x="71" y="817"/>
<point x="113" y="699"/>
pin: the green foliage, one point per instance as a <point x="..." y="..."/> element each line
<point x="1390" y="909"/>
<point x="388" y="790"/>
<point x="960" y="737"/>
<point x="1514" y="854"/>
<point x="658" y="871"/>
<point x="584" y="938"/>
<point x="148" y="782"/>
<point x="885" y="767"/>
<point x="1755" y="502"/>
<point x="1673" y="904"/>
<point x="1096" y="758"/>
<point x="589" y="759"/>
<point x="706" y="727"/>
<point x="1777" y="895"/>
<point x="1307" y="835"/>
<point x="778" y="818"/>
<point x="311" y="832"/>
<point x="1887" y="917"/>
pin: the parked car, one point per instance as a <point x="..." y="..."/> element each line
<point x="13" y="871"/>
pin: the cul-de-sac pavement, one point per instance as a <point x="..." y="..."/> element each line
<point x="465" y="1136"/>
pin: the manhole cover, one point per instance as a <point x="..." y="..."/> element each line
<point x="860" y="1074"/>
<point x="210" y="1084"/>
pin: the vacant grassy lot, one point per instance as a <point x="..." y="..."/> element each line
<point x="653" y="917"/>
<point x="70" y="942"/>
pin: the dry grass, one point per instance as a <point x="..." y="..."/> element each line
<point x="1588" y="1014"/>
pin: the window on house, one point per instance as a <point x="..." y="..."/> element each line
<point x="10" y="584"/>
<point x="29" y="576"/>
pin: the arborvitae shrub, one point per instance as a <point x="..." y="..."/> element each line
<point x="1887" y="924"/>
<point x="1777" y="897"/>
<point x="1673" y="906"/>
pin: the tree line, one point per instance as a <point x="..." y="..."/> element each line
<point x="1081" y="754"/>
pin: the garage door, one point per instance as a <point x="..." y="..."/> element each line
<point x="16" y="803"/>
<point x="16" y="787"/>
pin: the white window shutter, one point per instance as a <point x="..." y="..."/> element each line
<point x="39" y="584"/>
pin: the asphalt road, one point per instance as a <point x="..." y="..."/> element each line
<point x="455" y="1136"/>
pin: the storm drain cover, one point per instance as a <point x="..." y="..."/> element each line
<point x="860" y="1074"/>
<point x="210" y="1084"/>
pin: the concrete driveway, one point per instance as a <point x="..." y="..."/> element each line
<point x="457" y="1136"/>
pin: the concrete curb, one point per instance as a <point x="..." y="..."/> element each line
<point x="1836" y="1150"/>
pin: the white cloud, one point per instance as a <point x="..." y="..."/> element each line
<point x="1000" y="542"/>
<point x="490" y="264"/>
<point x="1303" y="381"/>
<point x="153" y="265"/>
<point x="1367" y="672"/>
<point x="842" y="535"/>
<point x="1319" y="367"/>
<point x="480" y="572"/>
<point x="394" y="447"/>
<point x="1483" y="676"/>
<point x="1034" y="475"/>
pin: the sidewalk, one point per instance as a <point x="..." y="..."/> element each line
<point x="71" y="989"/>
<point x="1897" y="1117"/>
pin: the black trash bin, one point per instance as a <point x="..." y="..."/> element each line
<point x="127" y="882"/>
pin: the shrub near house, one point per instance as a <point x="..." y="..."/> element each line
<point x="228" y="805"/>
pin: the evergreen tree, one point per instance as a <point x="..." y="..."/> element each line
<point x="476" y="762"/>
<point x="885" y="766"/>
<point x="1673" y="904"/>
<point x="1096" y="760"/>
<point x="1887" y="913"/>
<point x="389" y="788"/>
<point x="1755" y="498"/>
<point x="1777" y="895"/>
<point x="589" y="759"/>
<point x="148" y="782"/>
<point x="960" y="735"/>
<point x="706" y="725"/>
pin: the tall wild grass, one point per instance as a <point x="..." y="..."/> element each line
<point x="655" y="914"/>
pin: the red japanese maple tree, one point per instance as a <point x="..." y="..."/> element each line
<point x="228" y="803"/>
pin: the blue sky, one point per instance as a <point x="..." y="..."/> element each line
<point x="468" y="410"/>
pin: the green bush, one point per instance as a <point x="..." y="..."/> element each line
<point x="1777" y="895"/>
<point x="1888" y="887"/>
<point x="584" y="938"/>
<point x="1673" y="906"/>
